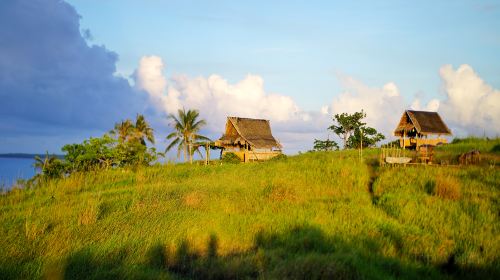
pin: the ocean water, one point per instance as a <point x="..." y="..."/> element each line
<point x="12" y="169"/>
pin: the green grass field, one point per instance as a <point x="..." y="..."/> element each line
<point x="315" y="215"/>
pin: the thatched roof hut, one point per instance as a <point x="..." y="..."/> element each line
<point x="421" y="122"/>
<point x="250" y="139"/>
<point x="416" y="125"/>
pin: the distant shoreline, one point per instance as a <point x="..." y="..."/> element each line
<point x="27" y="156"/>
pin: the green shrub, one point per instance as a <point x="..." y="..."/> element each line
<point x="496" y="149"/>
<point x="447" y="187"/>
<point x="230" y="158"/>
<point x="280" y="157"/>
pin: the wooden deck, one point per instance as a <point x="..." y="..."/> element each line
<point x="417" y="142"/>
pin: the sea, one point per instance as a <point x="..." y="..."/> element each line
<point x="12" y="169"/>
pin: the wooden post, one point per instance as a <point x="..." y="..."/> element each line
<point x="361" y="151"/>
<point x="207" y="150"/>
<point x="245" y="154"/>
<point x="404" y="137"/>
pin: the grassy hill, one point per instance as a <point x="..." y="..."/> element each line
<point x="315" y="215"/>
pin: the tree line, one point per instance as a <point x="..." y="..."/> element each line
<point x="125" y="146"/>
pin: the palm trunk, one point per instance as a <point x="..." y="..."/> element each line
<point x="185" y="151"/>
<point x="190" y="153"/>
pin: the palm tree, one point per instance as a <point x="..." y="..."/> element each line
<point x="143" y="130"/>
<point x="49" y="166"/>
<point x="41" y="164"/>
<point x="185" y="136"/>
<point x="124" y="130"/>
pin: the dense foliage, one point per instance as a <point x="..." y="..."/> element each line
<point x="364" y="136"/>
<point x="49" y="167"/>
<point x="126" y="148"/>
<point x="106" y="152"/>
<point x="325" y="145"/>
<point x="230" y="158"/>
<point x="351" y="129"/>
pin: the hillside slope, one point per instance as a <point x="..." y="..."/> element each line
<point x="316" y="215"/>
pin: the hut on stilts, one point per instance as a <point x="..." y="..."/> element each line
<point x="418" y="129"/>
<point x="249" y="139"/>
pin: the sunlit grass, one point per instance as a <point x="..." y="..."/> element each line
<point x="309" y="216"/>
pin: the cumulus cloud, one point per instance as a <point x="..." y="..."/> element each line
<point x="216" y="98"/>
<point x="50" y="76"/>
<point x="432" y="105"/>
<point x="383" y="105"/>
<point x="470" y="105"/>
<point x="149" y="77"/>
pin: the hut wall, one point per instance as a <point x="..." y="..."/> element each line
<point x="246" y="156"/>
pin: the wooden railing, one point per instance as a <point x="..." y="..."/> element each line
<point x="247" y="156"/>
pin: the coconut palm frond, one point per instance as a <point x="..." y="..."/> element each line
<point x="186" y="125"/>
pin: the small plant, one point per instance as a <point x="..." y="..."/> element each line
<point x="279" y="157"/>
<point x="496" y="149"/>
<point x="90" y="214"/>
<point x="34" y="228"/>
<point x="230" y="158"/>
<point x="447" y="187"/>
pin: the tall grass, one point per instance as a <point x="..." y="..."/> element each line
<point x="316" y="215"/>
<point x="444" y="214"/>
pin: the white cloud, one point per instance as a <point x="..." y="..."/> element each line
<point x="216" y="99"/>
<point x="432" y="105"/>
<point x="149" y="77"/>
<point x="383" y="106"/>
<point x="471" y="105"/>
<point x="246" y="98"/>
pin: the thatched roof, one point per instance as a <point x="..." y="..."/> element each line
<point x="423" y="122"/>
<point x="255" y="132"/>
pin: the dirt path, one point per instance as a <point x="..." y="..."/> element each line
<point x="374" y="172"/>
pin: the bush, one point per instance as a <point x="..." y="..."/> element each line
<point x="230" y="158"/>
<point x="447" y="188"/>
<point x="280" y="157"/>
<point x="496" y="149"/>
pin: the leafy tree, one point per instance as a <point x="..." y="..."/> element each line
<point x="369" y="135"/>
<point x="131" y="148"/>
<point x="127" y="148"/>
<point x="345" y="125"/>
<point x="92" y="154"/>
<point x="186" y="125"/>
<point x="326" y="145"/>
<point x="351" y="129"/>
<point x="134" y="154"/>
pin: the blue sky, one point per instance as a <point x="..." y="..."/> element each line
<point x="300" y="46"/>
<point x="70" y="70"/>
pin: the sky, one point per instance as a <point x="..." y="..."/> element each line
<point x="71" y="69"/>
